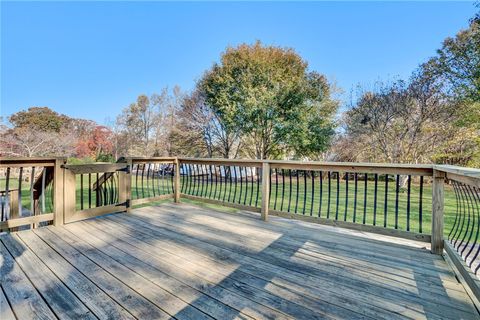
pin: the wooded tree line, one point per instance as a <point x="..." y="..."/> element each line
<point x="264" y="102"/>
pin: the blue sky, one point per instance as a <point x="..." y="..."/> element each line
<point x="91" y="59"/>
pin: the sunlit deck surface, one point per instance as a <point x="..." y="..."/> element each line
<point x="185" y="262"/>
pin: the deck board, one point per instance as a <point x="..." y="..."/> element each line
<point x="186" y="262"/>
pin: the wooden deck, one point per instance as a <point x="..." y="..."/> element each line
<point x="184" y="262"/>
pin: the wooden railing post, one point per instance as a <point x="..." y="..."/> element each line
<point x="177" y="181"/>
<point x="265" y="190"/>
<point x="15" y="206"/>
<point x="125" y="185"/>
<point x="438" y="197"/>
<point x="58" y="192"/>
<point x="69" y="199"/>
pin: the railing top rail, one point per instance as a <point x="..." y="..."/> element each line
<point x="33" y="161"/>
<point x="413" y="169"/>
<point x="470" y="172"/>
<point x="98" y="167"/>
<point x="470" y="176"/>
<point x="150" y="159"/>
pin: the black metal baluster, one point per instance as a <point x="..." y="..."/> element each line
<point x="241" y="185"/>
<point x="155" y="179"/>
<point x="97" y="193"/>
<point x="283" y="189"/>
<point x="105" y="186"/>
<point x="225" y="182"/>
<point x="409" y="190"/>
<point x="329" y="197"/>
<point x="185" y="178"/>
<point x="420" y="209"/>
<point x="304" y="191"/>
<point x="297" y="193"/>
<point x="148" y="179"/>
<point x="375" y="192"/>
<point x="211" y="181"/>
<point x="182" y="185"/>
<point x="346" y="197"/>
<point x="193" y="179"/>
<point x="321" y="194"/>
<point x="397" y="192"/>
<point x="258" y="188"/>
<point x="205" y="177"/>
<point x="270" y="184"/>
<point x="276" y="190"/>
<point x="81" y="191"/>
<point x="252" y="185"/>
<point x="467" y="214"/>
<point x="246" y="187"/>
<point x="7" y="195"/>
<point x="235" y="178"/>
<point x="172" y="189"/>
<point x="114" y="184"/>
<point x="457" y="210"/>
<point x="195" y="182"/>
<point x="338" y="195"/>
<point x="20" y="173"/>
<point x="89" y="190"/>
<point x="312" y="200"/>
<point x="143" y="185"/>
<point x="230" y="176"/>
<point x="162" y="180"/>
<point x="476" y="198"/>
<point x="190" y="181"/>
<point x="136" y="181"/>
<point x="365" y="199"/>
<point x="290" y="190"/>
<point x="32" y="201"/>
<point x="385" y="204"/>
<point x="165" y="173"/>
<point x="456" y="186"/>
<point x="472" y="217"/>
<point x="203" y="180"/>
<point x="216" y="181"/>
<point x="196" y="179"/>
<point x="355" y="187"/>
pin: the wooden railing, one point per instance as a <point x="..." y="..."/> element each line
<point x="462" y="239"/>
<point x="152" y="179"/>
<point x="30" y="193"/>
<point x="388" y="199"/>
<point x="435" y="204"/>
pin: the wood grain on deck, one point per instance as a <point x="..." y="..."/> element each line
<point x="184" y="262"/>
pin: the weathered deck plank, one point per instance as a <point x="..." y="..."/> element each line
<point x="136" y="304"/>
<point x="186" y="262"/>
<point x="217" y="272"/>
<point x="6" y="312"/>
<point x="236" y="283"/>
<point x="58" y="297"/>
<point x="92" y="296"/>
<point x="439" y="305"/>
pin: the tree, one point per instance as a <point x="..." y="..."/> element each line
<point x="39" y="118"/>
<point x="138" y="122"/>
<point x="402" y="123"/>
<point x="457" y="67"/>
<point x="457" y="63"/>
<point x="266" y="96"/>
<point x="96" y="143"/>
<point x="38" y="131"/>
